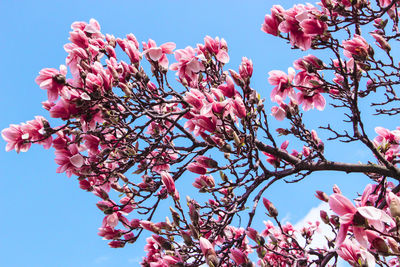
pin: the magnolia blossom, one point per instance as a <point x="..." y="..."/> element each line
<point x="52" y="80"/>
<point x="271" y="22"/>
<point x="357" y="46"/>
<point x="69" y="159"/>
<point x="351" y="216"/>
<point x="355" y="255"/>
<point x="158" y="54"/>
<point x="129" y="135"/>
<point x="188" y="65"/>
<point x="310" y="100"/>
<point x="283" y="83"/>
<point x="215" y="47"/>
<point x="20" y="137"/>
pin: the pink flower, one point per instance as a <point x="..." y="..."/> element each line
<point x="63" y="109"/>
<point x="271" y="22"/>
<point x="279" y="112"/>
<point x="158" y="54"/>
<point x="309" y="63"/>
<point x="206" y="247"/>
<point x="168" y="182"/>
<point x="109" y="233"/>
<point x="69" y="159"/>
<point x="273" y="212"/>
<point x="380" y="41"/>
<point x="79" y="38"/>
<point x="283" y="84"/>
<point x="246" y="68"/>
<point x="188" y="65"/>
<point x="206" y="162"/>
<point x="133" y="52"/>
<point x="92" y="28"/>
<point x="171" y="260"/>
<point x="195" y="98"/>
<point x="352" y="216"/>
<point x="204" y="181"/>
<point x="216" y="47"/>
<point x="75" y="55"/>
<point x="310" y="100"/>
<point x="205" y="123"/>
<point x="150" y="226"/>
<point x="357" y="46"/>
<point x="37" y="131"/>
<point x="52" y="80"/>
<point x="20" y="137"/>
<point x="354" y="255"/>
<point x="92" y="143"/>
<point x="386" y="137"/>
<point x="238" y="256"/>
<point x="16" y="138"/>
<point x="228" y="88"/>
<point x="196" y="168"/>
<point x="238" y="107"/>
<point x="312" y="26"/>
<point x="291" y="25"/>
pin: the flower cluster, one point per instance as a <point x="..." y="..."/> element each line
<point x="132" y="139"/>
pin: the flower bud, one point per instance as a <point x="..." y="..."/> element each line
<point x="324" y="216"/>
<point x="394" y="246"/>
<point x="273" y="212"/>
<point x="186" y="237"/>
<point x="238" y="256"/>
<point x="321" y="196"/>
<point x="394" y="205"/>
<point x="236" y="78"/>
<point x="175" y="216"/>
<point x="116" y="244"/>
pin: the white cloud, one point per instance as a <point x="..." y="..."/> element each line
<point x="313" y="215"/>
<point x="135" y="260"/>
<point x="319" y="240"/>
<point x="101" y="259"/>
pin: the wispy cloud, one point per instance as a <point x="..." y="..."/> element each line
<point x="319" y="238"/>
<point x="135" y="260"/>
<point x="101" y="259"/>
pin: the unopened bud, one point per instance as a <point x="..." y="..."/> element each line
<point x="194" y="231"/>
<point x="394" y="246"/>
<point x="212" y="260"/>
<point x="324" y="216"/>
<point x="236" y="78"/>
<point x="186" y="238"/>
<point x="371" y="51"/>
<point x="380" y="245"/>
<point x="223" y="176"/>
<point x="273" y="212"/>
<point x="394" y="207"/>
<point x="334" y="219"/>
<point x="125" y="89"/>
<point x="321" y="196"/>
<point x="175" y="216"/>
<point x="236" y="139"/>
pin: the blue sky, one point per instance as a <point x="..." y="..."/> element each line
<point x="46" y="219"/>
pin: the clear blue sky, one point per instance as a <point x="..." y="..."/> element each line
<point x="46" y="220"/>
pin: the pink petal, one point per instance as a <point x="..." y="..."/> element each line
<point x="222" y="56"/>
<point x="341" y="205"/>
<point x="77" y="160"/>
<point x="155" y="53"/>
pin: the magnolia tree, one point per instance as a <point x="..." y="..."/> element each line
<point x="130" y="134"/>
